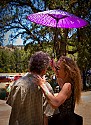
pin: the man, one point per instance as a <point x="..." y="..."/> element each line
<point x="25" y="96"/>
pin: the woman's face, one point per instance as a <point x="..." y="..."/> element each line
<point x="60" y="73"/>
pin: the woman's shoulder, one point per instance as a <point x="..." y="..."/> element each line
<point x="67" y="85"/>
<point x="67" y="89"/>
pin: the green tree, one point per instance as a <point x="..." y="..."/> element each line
<point x="71" y="42"/>
<point x="16" y="21"/>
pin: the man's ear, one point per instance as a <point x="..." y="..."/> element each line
<point x="43" y="72"/>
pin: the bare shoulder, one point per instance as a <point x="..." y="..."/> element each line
<point x="67" y="88"/>
<point x="67" y="85"/>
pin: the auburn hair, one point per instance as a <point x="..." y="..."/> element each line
<point x="74" y="75"/>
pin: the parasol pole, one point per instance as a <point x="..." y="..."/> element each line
<point x="55" y="38"/>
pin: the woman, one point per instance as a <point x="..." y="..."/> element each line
<point x="69" y="80"/>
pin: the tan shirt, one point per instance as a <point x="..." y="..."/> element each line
<point x="26" y="101"/>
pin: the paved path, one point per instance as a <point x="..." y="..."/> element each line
<point x="4" y="113"/>
<point x="83" y="109"/>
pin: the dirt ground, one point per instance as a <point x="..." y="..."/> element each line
<point x="83" y="109"/>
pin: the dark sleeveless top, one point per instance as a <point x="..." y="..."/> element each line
<point x="68" y="106"/>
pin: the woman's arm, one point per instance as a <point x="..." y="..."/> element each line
<point x="60" y="98"/>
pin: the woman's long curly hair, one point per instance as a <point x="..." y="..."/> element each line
<point x="74" y="76"/>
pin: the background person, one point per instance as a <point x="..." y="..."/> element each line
<point x="48" y="109"/>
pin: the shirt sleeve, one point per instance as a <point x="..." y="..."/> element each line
<point x="13" y="94"/>
<point x="48" y="110"/>
<point x="49" y="87"/>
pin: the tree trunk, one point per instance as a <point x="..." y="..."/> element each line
<point x="60" y="43"/>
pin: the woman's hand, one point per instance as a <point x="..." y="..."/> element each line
<point x="39" y="80"/>
<point x="53" y="64"/>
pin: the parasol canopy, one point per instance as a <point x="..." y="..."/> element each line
<point x="58" y="19"/>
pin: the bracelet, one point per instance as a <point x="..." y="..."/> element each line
<point x="46" y="93"/>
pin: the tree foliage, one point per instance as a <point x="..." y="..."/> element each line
<point x="14" y="20"/>
<point x="13" y="60"/>
<point x="71" y="42"/>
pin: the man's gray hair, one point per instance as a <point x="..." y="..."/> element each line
<point x="38" y="62"/>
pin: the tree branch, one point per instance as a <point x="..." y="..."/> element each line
<point x="72" y="52"/>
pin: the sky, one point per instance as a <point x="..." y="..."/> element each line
<point x="17" y="42"/>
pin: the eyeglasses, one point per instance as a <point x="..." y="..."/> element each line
<point x="57" y="68"/>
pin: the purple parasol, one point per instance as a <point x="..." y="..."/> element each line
<point x="58" y="19"/>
